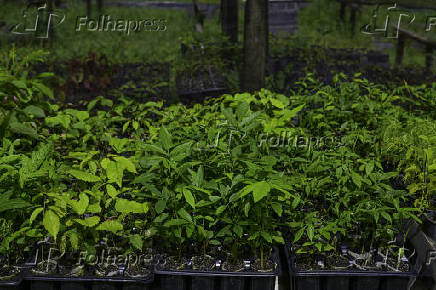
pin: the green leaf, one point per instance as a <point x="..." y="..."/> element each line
<point x="220" y="209"/>
<point x="23" y="129"/>
<point x="88" y="222"/>
<point x="369" y="167"/>
<point x="238" y="230"/>
<point x="80" y="206"/>
<point x="84" y="176"/>
<point x="386" y="216"/>
<point x="260" y="190"/>
<point x="278" y="239"/>
<point x="111" y="191"/>
<point x="299" y="234"/>
<point x="247" y="208"/>
<point x="165" y="138"/>
<point x="267" y="237"/>
<point x="111" y="226"/>
<point x="126" y="163"/>
<point x="6" y="203"/>
<point x="357" y="179"/>
<point x="35" y="213"/>
<point x="51" y="223"/>
<point x="114" y="173"/>
<point x="175" y="222"/>
<point x="34" y="110"/>
<point x="189" y="197"/>
<point x="160" y="206"/>
<point x="310" y="232"/>
<point x="185" y="215"/>
<point x="128" y="206"/>
<point x="136" y="241"/>
<point x="277" y="207"/>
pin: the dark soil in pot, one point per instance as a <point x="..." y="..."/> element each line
<point x="137" y="271"/>
<point x="8" y="273"/>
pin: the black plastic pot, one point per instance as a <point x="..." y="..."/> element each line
<point x="216" y="280"/>
<point x="346" y="280"/>
<point x="429" y="224"/>
<point x="13" y="284"/>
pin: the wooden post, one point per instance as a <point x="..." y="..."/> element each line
<point x="428" y="56"/>
<point x="229" y="19"/>
<point x="400" y="49"/>
<point x="255" y="45"/>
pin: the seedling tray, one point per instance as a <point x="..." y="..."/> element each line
<point x="217" y="280"/>
<point x="13" y="284"/>
<point x="346" y="280"/>
<point x="82" y="283"/>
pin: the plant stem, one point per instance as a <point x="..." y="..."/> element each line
<point x="261" y="257"/>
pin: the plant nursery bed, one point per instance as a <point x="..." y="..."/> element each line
<point x="347" y="279"/>
<point x="232" y="279"/>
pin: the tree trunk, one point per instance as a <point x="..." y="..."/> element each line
<point x="50" y="32"/>
<point x="255" y="45"/>
<point x="229" y="19"/>
<point x="100" y="5"/>
<point x="199" y="17"/>
<point x="88" y="8"/>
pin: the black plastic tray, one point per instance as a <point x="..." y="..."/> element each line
<point x="87" y="282"/>
<point x="217" y="280"/>
<point x="11" y="284"/>
<point x="346" y="280"/>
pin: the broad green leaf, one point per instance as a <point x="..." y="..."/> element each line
<point x="220" y="209"/>
<point x="136" y="241"/>
<point x="247" y="208"/>
<point x="299" y="234"/>
<point x="357" y="179"/>
<point x="111" y="191"/>
<point x="165" y="138"/>
<point x="184" y="214"/>
<point x="260" y="190"/>
<point x="277" y="207"/>
<point x="80" y="206"/>
<point x="310" y="232"/>
<point x="160" y="206"/>
<point x="111" y="226"/>
<point x="175" y="222"/>
<point x="189" y="197"/>
<point x="84" y="176"/>
<point x="34" y="110"/>
<point x="128" y="206"/>
<point x="51" y="223"/>
<point x="35" y="213"/>
<point x="88" y="222"/>
<point x="369" y="167"/>
<point x="267" y="237"/>
<point x="126" y="163"/>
